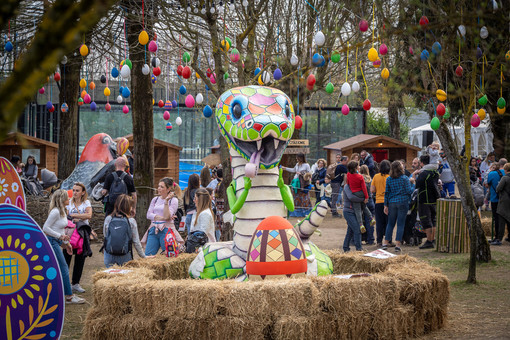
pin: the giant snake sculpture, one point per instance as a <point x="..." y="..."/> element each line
<point x="257" y="123"/>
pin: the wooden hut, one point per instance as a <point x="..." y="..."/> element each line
<point x="45" y="153"/>
<point x="380" y="147"/>
<point x="166" y="159"/>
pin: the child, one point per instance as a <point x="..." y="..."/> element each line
<point x="325" y="190"/>
<point x="202" y="222"/>
<point x="358" y="187"/>
<point x="433" y="151"/>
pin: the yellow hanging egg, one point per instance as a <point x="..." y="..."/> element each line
<point x="83" y="93"/>
<point x="441" y="95"/>
<point x="84" y="50"/>
<point x="260" y="80"/>
<point x="83" y="83"/>
<point x="501" y="111"/>
<point x="143" y="38"/>
<point x="225" y="44"/>
<point x="197" y="75"/>
<point x="507" y="56"/>
<point x="481" y="113"/>
<point x="153" y="102"/>
<point x="385" y="73"/>
<point x="373" y="55"/>
<point x="106" y="91"/>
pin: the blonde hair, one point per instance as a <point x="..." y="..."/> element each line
<point x="366" y="173"/>
<point x="203" y="202"/>
<point x="58" y="200"/>
<point x="85" y="195"/>
<point x="506" y="167"/>
<point x="323" y="161"/>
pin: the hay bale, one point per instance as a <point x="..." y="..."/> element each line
<point x="135" y="273"/>
<point x="320" y="326"/>
<point x="165" y="268"/>
<point x="126" y="327"/>
<point x="356" y="262"/>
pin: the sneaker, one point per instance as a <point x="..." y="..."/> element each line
<point x="427" y="245"/>
<point x="496" y="243"/>
<point x="372" y="222"/>
<point x="391" y="245"/>
<point x="384" y="247"/>
<point x="77" y="288"/>
<point x="75" y="300"/>
<point x="362" y="229"/>
<point x="397" y="249"/>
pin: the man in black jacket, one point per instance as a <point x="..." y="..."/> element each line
<point x="428" y="193"/>
<point x="368" y="160"/>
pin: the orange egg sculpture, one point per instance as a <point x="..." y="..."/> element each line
<point x="122" y="146"/>
<point x="275" y="251"/>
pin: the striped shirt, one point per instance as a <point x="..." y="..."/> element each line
<point x="398" y="190"/>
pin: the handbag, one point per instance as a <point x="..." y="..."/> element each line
<point x="70" y="228"/>
<point x="77" y="241"/>
<point x="171" y="245"/>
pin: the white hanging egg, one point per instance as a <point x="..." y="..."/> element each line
<point x="266" y="77"/>
<point x="294" y="60"/>
<point x="320" y="39"/>
<point x="199" y="99"/>
<point x="178" y="121"/>
<point x="346" y="89"/>
<point x="145" y="69"/>
<point x="355" y="86"/>
<point x="125" y="71"/>
<point x="119" y="99"/>
<point x="461" y="30"/>
<point x="484" y="33"/>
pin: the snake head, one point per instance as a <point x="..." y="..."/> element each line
<point x="256" y="121"/>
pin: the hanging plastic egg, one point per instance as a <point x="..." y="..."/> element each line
<point x="484" y="32"/>
<point x="143" y="38"/>
<point x="167" y="105"/>
<point x="87" y="99"/>
<point x="377" y="63"/>
<point x="257" y="71"/>
<point x="335" y="57"/>
<point x="372" y="54"/>
<point x="441" y="95"/>
<point x="115" y="72"/>
<point x="440" y="109"/>
<point x="277" y="74"/>
<point x="103" y="79"/>
<point x="310" y="80"/>
<point x="156" y="71"/>
<point x="199" y="99"/>
<point x="323" y="61"/>
<point x="84" y="50"/>
<point x="447" y="114"/>
<point x="153" y="46"/>
<point x="345" y="109"/>
<point x="127" y="62"/>
<point x="310" y="87"/>
<point x="174" y="103"/>
<point x="367" y="105"/>
<point x="48" y="105"/>
<point x="155" y="61"/>
<point x="320" y="39"/>
<point x="125" y="72"/>
<point x="190" y="101"/>
<point x="424" y="55"/>
<point x="182" y="90"/>
<point x="501" y="111"/>
<point x="346" y="89"/>
<point x="169" y="126"/>
<point x="106" y="91"/>
<point x="436" y="48"/>
<point x="9" y="47"/>
<point x="482" y="100"/>
<point x="475" y="120"/>
<point x="235" y="56"/>
<point x="363" y="25"/>
<point x="411" y="51"/>
<point x="186" y="58"/>
<point x="64" y="60"/>
<point x="298" y="123"/>
<point x="383" y="49"/>
<point x="41" y="90"/>
<point x="226" y="75"/>
<point x="52" y="109"/>
<point x="145" y="69"/>
<point x="64" y="107"/>
<point x="385" y="73"/>
<point x="355" y="86"/>
<point x="479" y="53"/>
<point x="186" y="72"/>
<point x="330" y="88"/>
<point x="125" y="109"/>
<point x="501" y="102"/>
<point x="154" y="79"/>
<point x="93" y="106"/>
<point x="459" y="71"/>
<point x="424" y="21"/>
<point x="107" y="107"/>
<point x="166" y="115"/>
<point x="266" y="78"/>
<point x="482" y="114"/>
<point x="83" y="93"/>
<point x="56" y="76"/>
<point x="83" y="83"/>
<point x="178" y="121"/>
<point x="207" y="111"/>
<point x="294" y="60"/>
<point x="179" y="70"/>
<point x="92" y="85"/>
<point x="507" y="56"/>
<point x="119" y="99"/>
<point x="80" y="101"/>
<point x="434" y="123"/>
<point x="208" y="73"/>
<point x="316" y="59"/>
<point x="225" y="45"/>
<point x="461" y="30"/>
<point x="125" y="92"/>
<point x="212" y="79"/>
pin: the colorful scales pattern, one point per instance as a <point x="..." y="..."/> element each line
<point x="263" y="114"/>
<point x="221" y="263"/>
<point x="275" y="246"/>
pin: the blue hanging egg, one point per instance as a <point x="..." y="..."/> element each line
<point x="182" y="89"/>
<point x="257" y="70"/>
<point x="436" y="48"/>
<point x="316" y="59"/>
<point x="424" y="55"/>
<point x="323" y="61"/>
<point x="8" y="46"/>
<point x="49" y="104"/>
<point x="169" y="126"/>
<point x="206" y="87"/>
<point x="479" y="53"/>
<point x="115" y="72"/>
<point x="154" y="79"/>
<point x="277" y="74"/>
<point x="125" y="92"/>
<point x="207" y="111"/>
<point x="174" y="103"/>
<point x="93" y="106"/>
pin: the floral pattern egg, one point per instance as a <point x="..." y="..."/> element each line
<point x="275" y="251"/>
<point x="11" y="189"/>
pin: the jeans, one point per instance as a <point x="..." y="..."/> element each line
<point x="397" y="213"/>
<point x="188" y="223"/>
<point x="218" y="235"/>
<point x="353" y="232"/>
<point x="335" y="190"/>
<point x="64" y="270"/>
<point x="381" y="221"/>
<point x="155" y="241"/>
<point x="110" y="260"/>
<point x="79" y="263"/>
<point x="499" y="227"/>
<point x="370" y="229"/>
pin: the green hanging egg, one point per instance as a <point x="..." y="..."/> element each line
<point x="330" y="88"/>
<point x="129" y="64"/>
<point x="434" y="123"/>
<point x="501" y="102"/>
<point x="186" y="57"/>
<point x="482" y="100"/>
<point x="446" y="114"/>
<point x="335" y="57"/>
<point x="225" y="76"/>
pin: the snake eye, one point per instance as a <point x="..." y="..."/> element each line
<point x="287" y="110"/>
<point x="237" y="110"/>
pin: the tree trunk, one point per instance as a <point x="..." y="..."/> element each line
<point x="394" y="105"/>
<point x="70" y="91"/>
<point x="143" y="124"/>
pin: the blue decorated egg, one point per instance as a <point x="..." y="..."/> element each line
<point x="115" y="72"/>
<point x="174" y="103"/>
<point x="9" y="47"/>
<point x="182" y="89"/>
<point x="169" y="126"/>
<point x="207" y="111"/>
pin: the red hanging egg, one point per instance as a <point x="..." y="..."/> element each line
<point x="363" y="25"/>
<point x="424" y="21"/>
<point x="56" y="76"/>
<point x="107" y="107"/>
<point x="310" y="81"/>
<point x="156" y="71"/>
<point x="459" y="71"/>
<point x="309" y="87"/>
<point x="52" y="108"/>
<point x="440" y="109"/>
<point x="411" y="51"/>
<point x="383" y="49"/>
<point x="161" y="103"/>
<point x="367" y="105"/>
<point x="186" y="72"/>
<point x="179" y="70"/>
<point x="298" y="124"/>
<point x="208" y="73"/>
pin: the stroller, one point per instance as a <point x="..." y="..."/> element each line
<point x="32" y="186"/>
<point x="413" y="232"/>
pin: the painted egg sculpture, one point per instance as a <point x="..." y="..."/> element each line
<point x="122" y="146"/>
<point x="11" y="189"/>
<point x="275" y="251"/>
<point x="31" y="290"/>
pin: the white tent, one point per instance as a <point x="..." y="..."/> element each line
<point x="481" y="138"/>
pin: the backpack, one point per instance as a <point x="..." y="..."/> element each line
<point x="118" y="238"/>
<point x="178" y="217"/>
<point x="117" y="188"/>
<point x="477" y="190"/>
<point x="331" y="170"/>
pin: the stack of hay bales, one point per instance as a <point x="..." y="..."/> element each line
<point x="402" y="298"/>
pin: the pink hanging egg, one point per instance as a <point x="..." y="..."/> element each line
<point x="411" y="51"/>
<point x="125" y="109"/>
<point x="459" y="71"/>
<point x="107" y="107"/>
<point x="213" y="78"/>
<point x="383" y="49"/>
<point x="363" y="25"/>
<point x="41" y="90"/>
<point x="87" y="99"/>
<point x="190" y="101"/>
<point x="345" y="109"/>
<point x="153" y="46"/>
<point x="166" y="115"/>
<point x="475" y="120"/>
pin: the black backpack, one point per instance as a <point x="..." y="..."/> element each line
<point x="117" y="188"/>
<point x="118" y="238"/>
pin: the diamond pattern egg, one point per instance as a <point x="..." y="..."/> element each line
<point x="275" y="251"/>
